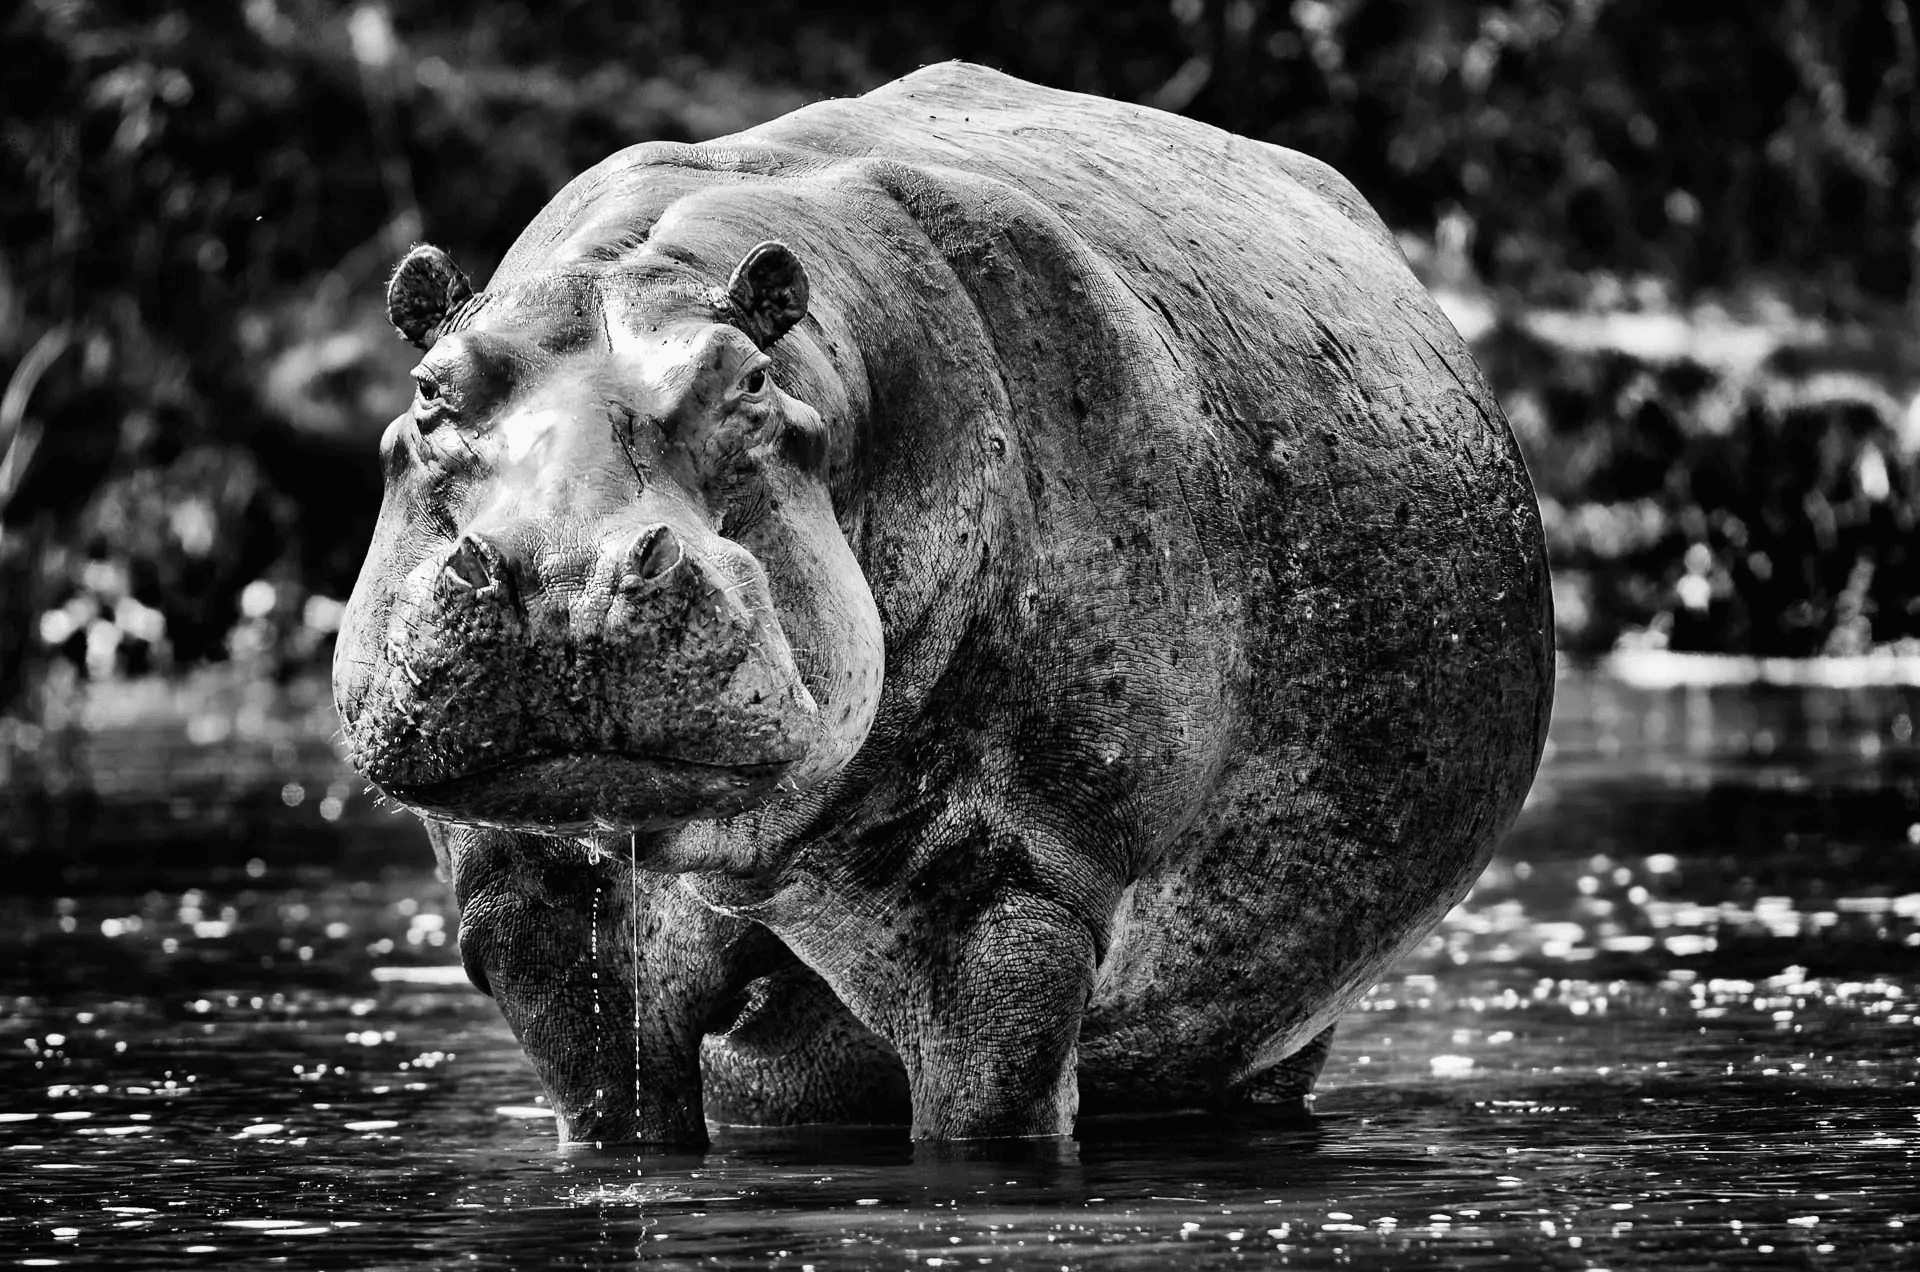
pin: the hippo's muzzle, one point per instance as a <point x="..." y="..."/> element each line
<point x="632" y="677"/>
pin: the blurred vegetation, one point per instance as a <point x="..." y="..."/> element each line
<point x="198" y="204"/>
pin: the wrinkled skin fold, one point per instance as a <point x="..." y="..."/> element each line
<point x="968" y="606"/>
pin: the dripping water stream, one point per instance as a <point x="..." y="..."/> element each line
<point x="593" y="939"/>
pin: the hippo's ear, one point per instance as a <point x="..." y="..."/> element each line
<point x="767" y="293"/>
<point x="426" y="286"/>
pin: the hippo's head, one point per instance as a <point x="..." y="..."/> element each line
<point x="607" y="589"/>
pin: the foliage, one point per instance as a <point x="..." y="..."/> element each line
<point x="1767" y="508"/>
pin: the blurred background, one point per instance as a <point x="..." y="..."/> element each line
<point x="1683" y="238"/>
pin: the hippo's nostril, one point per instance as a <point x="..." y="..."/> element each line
<point x="471" y="562"/>
<point x="657" y="552"/>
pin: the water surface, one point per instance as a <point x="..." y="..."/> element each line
<point x="1672" y="1027"/>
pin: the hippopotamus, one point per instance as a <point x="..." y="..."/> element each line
<point x="968" y="606"/>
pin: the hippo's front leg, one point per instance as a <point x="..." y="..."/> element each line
<point x="977" y="968"/>
<point x="990" y="1023"/>
<point x="608" y="976"/>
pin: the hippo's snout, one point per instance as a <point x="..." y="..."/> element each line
<point x="552" y="678"/>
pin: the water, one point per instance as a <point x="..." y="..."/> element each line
<point x="1673" y="1027"/>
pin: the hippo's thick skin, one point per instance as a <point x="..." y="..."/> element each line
<point x="971" y="603"/>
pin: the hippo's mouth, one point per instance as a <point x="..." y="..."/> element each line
<point x="595" y="790"/>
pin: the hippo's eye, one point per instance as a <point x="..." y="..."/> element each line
<point x="755" y="382"/>
<point x="427" y="395"/>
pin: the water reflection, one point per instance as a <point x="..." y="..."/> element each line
<point x="1673" y="1026"/>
